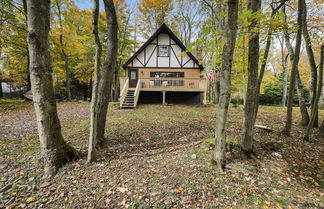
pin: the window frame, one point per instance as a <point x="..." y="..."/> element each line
<point x="154" y="73"/>
<point x="158" y="52"/>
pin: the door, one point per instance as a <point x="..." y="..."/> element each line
<point x="133" y="78"/>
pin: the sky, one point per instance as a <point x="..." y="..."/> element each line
<point x="87" y="4"/>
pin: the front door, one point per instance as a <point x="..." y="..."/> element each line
<point x="133" y="78"/>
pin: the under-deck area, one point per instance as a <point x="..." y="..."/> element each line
<point x="171" y="97"/>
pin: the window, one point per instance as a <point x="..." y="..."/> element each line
<point x="167" y="82"/>
<point x="133" y="75"/>
<point x="163" y="51"/>
<point x="167" y="74"/>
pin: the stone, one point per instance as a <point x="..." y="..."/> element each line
<point x="276" y="154"/>
<point x="45" y="184"/>
<point x="193" y="156"/>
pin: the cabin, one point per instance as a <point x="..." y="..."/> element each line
<point x="162" y="71"/>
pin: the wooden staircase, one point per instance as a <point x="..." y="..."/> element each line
<point x="129" y="96"/>
<point x="129" y="100"/>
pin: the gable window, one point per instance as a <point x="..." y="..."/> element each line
<point x="163" y="51"/>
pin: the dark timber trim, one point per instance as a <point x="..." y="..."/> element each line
<point x="175" y="55"/>
<point x="163" y="29"/>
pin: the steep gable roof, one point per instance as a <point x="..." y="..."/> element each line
<point x="163" y="29"/>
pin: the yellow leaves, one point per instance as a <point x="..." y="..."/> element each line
<point x="48" y="202"/>
<point x="31" y="199"/>
<point x="266" y="205"/>
<point x="160" y="5"/>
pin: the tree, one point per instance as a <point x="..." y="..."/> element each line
<point x="314" y="113"/>
<point x="54" y="150"/>
<point x="294" y="70"/>
<point x="225" y="82"/>
<point x="300" y="87"/>
<point x="266" y="54"/>
<point x="64" y="54"/>
<point x="284" y="65"/>
<point x="125" y="42"/>
<point x="252" y="92"/>
<point x="186" y="19"/>
<point x="14" y="49"/>
<point x="153" y="13"/>
<point x="97" y="67"/>
<point x="311" y="60"/>
<point x="102" y="79"/>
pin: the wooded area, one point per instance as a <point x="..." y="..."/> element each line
<point x="263" y="61"/>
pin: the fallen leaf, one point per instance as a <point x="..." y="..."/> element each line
<point x="31" y="199"/>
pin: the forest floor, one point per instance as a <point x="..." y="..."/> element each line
<point x="160" y="157"/>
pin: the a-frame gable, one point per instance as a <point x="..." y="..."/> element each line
<point x="148" y="57"/>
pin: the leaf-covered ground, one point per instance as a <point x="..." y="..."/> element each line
<point x="157" y="157"/>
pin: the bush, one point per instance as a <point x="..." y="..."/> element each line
<point x="273" y="93"/>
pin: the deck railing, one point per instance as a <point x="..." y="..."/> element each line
<point x="137" y="92"/>
<point x="123" y="92"/>
<point x="174" y="84"/>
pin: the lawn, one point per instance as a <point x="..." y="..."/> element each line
<point x="160" y="157"/>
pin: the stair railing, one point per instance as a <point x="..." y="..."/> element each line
<point x="137" y="92"/>
<point x="123" y="93"/>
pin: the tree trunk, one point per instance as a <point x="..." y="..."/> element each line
<point x="116" y="85"/>
<point x="311" y="60"/>
<point x="294" y="69"/>
<point x="54" y="150"/>
<point x="1" y="92"/>
<point x="217" y="89"/>
<point x="302" y="100"/>
<point x="96" y="78"/>
<point x="85" y="91"/>
<point x="285" y="68"/>
<point x="321" y="131"/>
<point x="315" y="104"/>
<point x="300" y="88"/>
<point x="225" y="83"/>
<point x="66" y="57"/>
<point x="103" y="78"/>
<point x="28" y="59"/>
<point x="252" y="92"/>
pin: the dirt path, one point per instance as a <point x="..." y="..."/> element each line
<point x="20" y="122"/>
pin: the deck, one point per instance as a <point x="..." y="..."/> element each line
<point x="129" y="96"/>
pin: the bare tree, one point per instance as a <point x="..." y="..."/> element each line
<point x="54" y="150"/>
<point x="225" y="82"/>
<point x="315" y="104"/>
<point x="252" y="92"/>
<point x="104" y="77"/>
<point x="294" y="70"/>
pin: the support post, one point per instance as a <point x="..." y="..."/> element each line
<point x="163" y="94"/>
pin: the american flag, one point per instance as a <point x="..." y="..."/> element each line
<point x="212" y="75"/>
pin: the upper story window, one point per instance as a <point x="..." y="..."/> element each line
<point x="163" y="51"/>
